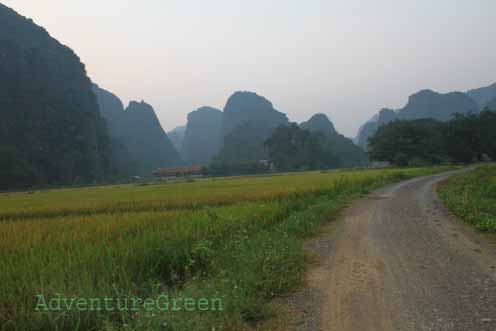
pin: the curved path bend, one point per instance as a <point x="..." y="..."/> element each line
<point x="398" y="260"/>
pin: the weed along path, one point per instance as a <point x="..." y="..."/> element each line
<point x="397" y="260"/>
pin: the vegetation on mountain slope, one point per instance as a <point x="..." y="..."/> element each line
<point x="51" y="131"/>
<point x="347" y="153"/>
<point x="139" y="144"/>
<point x="203" y="136"/>
<point x="425" y="104"/>
<point x="292" y="148"/>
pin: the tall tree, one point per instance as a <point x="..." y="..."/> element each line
<point x="463" y="138"/>
<point x="408" y="142"/>
<point x="292" y="148"/>
<point x="348" y="154"/>
<point x="488" y="132"/>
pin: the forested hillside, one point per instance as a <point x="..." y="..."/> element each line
<point x="346" y="152"/>
<point x="51" y="130"/>
<point x="248" y="120"/>
<point x="139" y="144"/>
<point x="423" y="104"/>
<point x="203" y="136"/>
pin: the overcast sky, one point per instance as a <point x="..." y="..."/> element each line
<point x="345" y="58"/>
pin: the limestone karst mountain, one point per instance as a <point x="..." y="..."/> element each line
<point x="423" y="104"/>
<point x="347" y="153"/>
<point x="364" y="126"/>
<point x="438" y="106"/>
<point x="367" y="130"/>
<point x="51" y="130"/>
<point x="176" y="136"/>
<point x="139" y="144"/>
<point x="492" y="104"/>
<point x="484" y="95"/>
<point x="203" y="136"/>
<point x="251" y="107"/>
<point x="319" y="123"/>
<point x="248" y="120"/>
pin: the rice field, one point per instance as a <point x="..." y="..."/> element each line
<point x="234" y="241"/>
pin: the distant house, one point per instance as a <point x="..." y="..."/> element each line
<point x="178" y="171"/>
<point x="379" y="164"/>
<point x="269" y="165"/>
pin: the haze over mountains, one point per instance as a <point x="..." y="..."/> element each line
<point x="236" y="134"/>
<point x="492" y="105"/>
<point x="248" y="121"/>
<point x="59" y="127"/>
<point x="484" y="96"/>
<point x="139" y="144"/>
<point x="347" y="153"/>
<point x="429" y="104"/>
<point x="203" y="136"/>
<point x="176" y="136"/>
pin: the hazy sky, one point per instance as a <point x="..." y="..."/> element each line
<point x="345" y="58"/>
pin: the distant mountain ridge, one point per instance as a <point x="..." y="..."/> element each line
<point x="423" y="104"/>
<point x="203" y="136"/>
<point x="368" y="129"/>
<point x="363" y="127"/>
<point x="139" y="143"/>
<point x="347" y="153"/>
<point x="243" y="106"/>
<point x="438" y="106"/>
<point x="319" y="123"/>
<point x="176" y="136"/>
<point x="492" y="104"/>
<point x="248" y="120"/>
<point x="484" y="95"/>
<point x="59" y="128"/>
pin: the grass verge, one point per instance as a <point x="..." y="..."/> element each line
<point x="472" y="196"/>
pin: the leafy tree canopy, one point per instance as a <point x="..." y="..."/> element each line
<point x="292" y="148"/>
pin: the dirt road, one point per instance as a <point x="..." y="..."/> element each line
<point x="398" y="261"/>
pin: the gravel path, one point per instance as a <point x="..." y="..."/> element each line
<point x="398" y="260"/>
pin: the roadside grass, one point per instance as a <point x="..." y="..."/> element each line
<point x="244" y="252"/>
<point x="248" y="271"/>
<point x="472" y="196"/>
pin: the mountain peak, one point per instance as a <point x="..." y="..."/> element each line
<point x="425" y="93"/>
<point x="319" y="123"/>
<point x="243" y="106"/>
<point x="247" y="101"/>
<point x="139" y="106"/>
<point x="430" y="104"/>
<point x="386" y="115"/>
<point x="483" y="95"/>
<point x="203" y="135"/>
<point x="204" y="111"/>
<point x="140" y="144"/>
<point x="423" y="104"/>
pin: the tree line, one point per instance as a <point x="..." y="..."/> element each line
<point x="463" y="139"/>
<point x="288" y="148"/>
